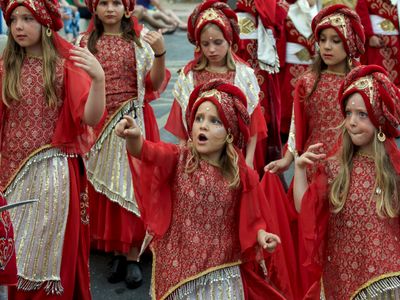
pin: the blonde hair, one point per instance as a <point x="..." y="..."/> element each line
<point x="203" y="61"/>
<point x="13" y="58"/>
<point x="387" y="202"/>
<point x="228" y="163"/>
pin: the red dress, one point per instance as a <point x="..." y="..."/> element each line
<point x="40" y="159"/>
<point x="198" y="228"/>
<point x="115" y="222"/>
<point x="272" y="15"/>
<point x="292" y="67"/>
<point x="380" y="18"/>
<point x="356" y="251"/>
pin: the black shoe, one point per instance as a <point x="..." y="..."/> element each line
<point x="118" y="269"/>
<point x="134" y="277"/>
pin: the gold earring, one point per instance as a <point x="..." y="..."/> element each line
<point x="197" y="49"/>
<point x="127" y="14"/>
<point x="381" y="136"/>
<point x="350" y="62"/>
<point x="49" y="32"/>
<point x="229" y="138"/>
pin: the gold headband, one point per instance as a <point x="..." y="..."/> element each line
<point x="209" y="15"/>
<point x="337" y="20"/>
<point x="210" y="93"/>
<point x="366" y="84"/>
<point x="31" y="3"/>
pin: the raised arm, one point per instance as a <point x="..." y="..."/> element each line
<point x="300" y="184"/>
<point x="128" y="130"/>
<point x="157" y="71"/>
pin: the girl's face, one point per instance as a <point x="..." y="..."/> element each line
<point x="214" y="46"/>
<point x="110" y="13"/>
<point x="26" y="31"/>
<point x="208" y="133"/>
<point x="358" y="124"/>
<point x="332" y="50"/>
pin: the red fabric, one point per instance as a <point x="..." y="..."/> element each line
<point x="113" y="228"/>
<point x="46" y="12"/>
<point x="8" y="265"/>
<point x="175" y="122"/>
<point x="75" y="262"/>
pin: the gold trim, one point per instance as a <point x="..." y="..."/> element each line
<point x="333" y="73"/>
<point x="22" y="164"/>
<point x="112" y="33"/>
<point x="198" y="275"/>
<point x="370" y="282"/>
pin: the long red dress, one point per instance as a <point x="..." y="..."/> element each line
<point x="380" y="18"/>
<point x="356" y="252"/>
<point x="115" y="222"/>
<point x="41" y="160"/>
<point x="201" y="227"/>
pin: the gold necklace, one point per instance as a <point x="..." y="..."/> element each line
<point x="113" y="33"/>
<point x="223" y="69"/>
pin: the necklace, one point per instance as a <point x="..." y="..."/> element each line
<point x="333" y="73"/>
<point x="113" y="34"/>
<point x="223" y="69"/>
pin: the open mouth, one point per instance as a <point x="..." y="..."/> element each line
<point x="202" y="137"/>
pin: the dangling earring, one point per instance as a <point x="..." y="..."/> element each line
<point x="381" y="136"/>
<point x="197" y="49"/>
<point x="229" y="138"/>
<point x="350" y="62"/>
<point x="49" y="32"/>
<point x="127" y="14"/>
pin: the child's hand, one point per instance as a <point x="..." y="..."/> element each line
<point x="278" y="166"/>
<point x="127" y="128"/>
<point x="85" y="60"/>
<point x="267" y="240"/>
<point x="156" y="41"/>
<point x="308" y="158"/>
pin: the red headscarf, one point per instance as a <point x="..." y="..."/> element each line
<point x="346" y="23"/>
<point x="380" y="96"/>
<point x="129" y="7"/>
<point x="231" y="105"/>
<point x="215" y="12"/>
<point x="46" y="12"/>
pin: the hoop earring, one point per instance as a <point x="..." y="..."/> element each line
<point x="381" y="136"/>
<point x="229" y="138"/>
<point x="49" y="33"/>
<point x="127" y="14"/>
<point x="350" y="63"/>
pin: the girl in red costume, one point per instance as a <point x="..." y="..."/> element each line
<point x="381" y="22"/>
<point x="261" y="25"/>
<point x="206" y="215"/>
<point x="349" y="213"/>
<point x="214" y="30"/>
<point x="133" y="60"/>
<point x="316" y="113"/>
<point x="51" y="94"/>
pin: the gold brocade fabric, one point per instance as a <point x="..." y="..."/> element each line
<point x="40" y="227"/>
<point x="108" y="166"/>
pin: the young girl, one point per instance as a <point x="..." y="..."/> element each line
<point x="134" y="64"/>
<point x="48" y="103"/>
<point x="381" y="23"/>
<point x="205" y="211"/>
<point x="214" y="30"/>
<point x="296" y="55"/>
<point x="349" y="214"/>
<point x="316" y="114"/>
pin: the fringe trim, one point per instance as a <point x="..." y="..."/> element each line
<point x="131" y="105"/>
<point x="52" y="287"/>
<point x="114" y="197"/>
<point x="271" y="69"/>
<point x="36" y="157"/>
<point x="212" y="277"/>
<point x="379" y="288"/>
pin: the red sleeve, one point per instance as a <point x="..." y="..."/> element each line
<point x="313" y="223"/>
<point x="301" y="127"/>
<point x="175" y="122"/>
<point x="152" y="175"/>
<point x="257" y="124"/>
<point x="150" y="93"/>
<point x="362" y="11"/>
<point x="71" y="134"/>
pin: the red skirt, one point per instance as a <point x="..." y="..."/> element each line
<point x="75" y="256"/>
